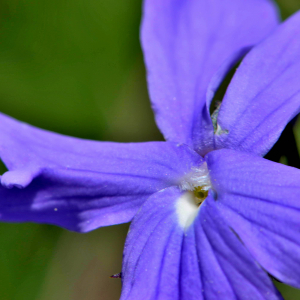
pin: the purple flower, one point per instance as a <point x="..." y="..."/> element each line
<point x="210" y="216"/>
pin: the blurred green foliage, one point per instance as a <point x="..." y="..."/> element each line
<point x="288" y="7"/>
<point x="74" y="67"/>
<point x="62" y="62"/>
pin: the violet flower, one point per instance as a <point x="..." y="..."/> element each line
<point x="210" y="216"/>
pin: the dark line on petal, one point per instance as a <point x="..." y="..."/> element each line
<point x="236" y="234"/>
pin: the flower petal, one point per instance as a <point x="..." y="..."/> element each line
<point x="185" y="43"/>
<point x="260" y="201"/>
<point x="81" y="184"/>
<point x="231" y="271"/>
<point x="165" y="261"/>
<point x="151" y="263"/>
<point x="264" y="94"/>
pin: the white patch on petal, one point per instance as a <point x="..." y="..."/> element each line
<point x="186" y="209"/>
<point x="195" y="185"/>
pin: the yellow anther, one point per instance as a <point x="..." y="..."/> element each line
<point x="200" y="194"/>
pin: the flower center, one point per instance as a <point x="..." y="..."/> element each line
<point x="198" y="182"/>
<point x="196" y="185"/>
<point x="200" y="194"/>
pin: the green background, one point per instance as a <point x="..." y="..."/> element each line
<point x="74" y="67"/>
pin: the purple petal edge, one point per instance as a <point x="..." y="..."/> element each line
<point x="185" y="43"/>
<point x="80" y="184"/>
<point x="264" y="94"/>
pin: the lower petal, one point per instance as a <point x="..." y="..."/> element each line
<point x="152" y="250"/>
<point x="165" y="260"/>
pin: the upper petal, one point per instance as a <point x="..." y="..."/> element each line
<point x="81" y="184"/>
<point x="185" y="43"/>
<point x="166" y="261"/>
<point x="259" y="200"/>
<point x="264" y="94"/>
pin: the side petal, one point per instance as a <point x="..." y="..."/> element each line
<point x="163" y="260"/>
<point x="185" y="43"/>
<point x="259" y="199"/>
<point x="264" y="94"/>
<point x="81" y="184"/>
